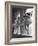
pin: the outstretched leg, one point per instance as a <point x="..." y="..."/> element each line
<point x="27" y="28"/>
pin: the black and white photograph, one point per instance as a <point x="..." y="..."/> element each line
<point x="22" y="22"/>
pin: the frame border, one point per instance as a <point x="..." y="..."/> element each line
<point x="7" y="23"/>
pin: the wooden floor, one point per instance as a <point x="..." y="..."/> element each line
<point x="20" y="36"/>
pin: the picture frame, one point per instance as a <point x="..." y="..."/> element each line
<point x="10" y="8"/>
